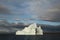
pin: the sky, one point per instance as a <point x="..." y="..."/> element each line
<point x="31" y="11"/>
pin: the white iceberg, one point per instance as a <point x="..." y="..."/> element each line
<point x="30" y="30"/>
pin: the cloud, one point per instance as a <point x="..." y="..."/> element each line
<point x="44" y="9"/>
<point x="39" y="9"/>
<point x="4" y="9"/>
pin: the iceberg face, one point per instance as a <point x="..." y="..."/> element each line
<point x="30" y="30"/>
<point x="39" y="31"/>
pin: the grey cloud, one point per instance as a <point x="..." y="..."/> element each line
<point x="25" y="19"/>
<point x="42" y="9"/>
<point x="52" y="14"/>
<point x="45" y="9"/>
<point x="4" y="10"/>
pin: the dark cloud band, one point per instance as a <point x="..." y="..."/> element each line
<point x="4" y="10"/>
